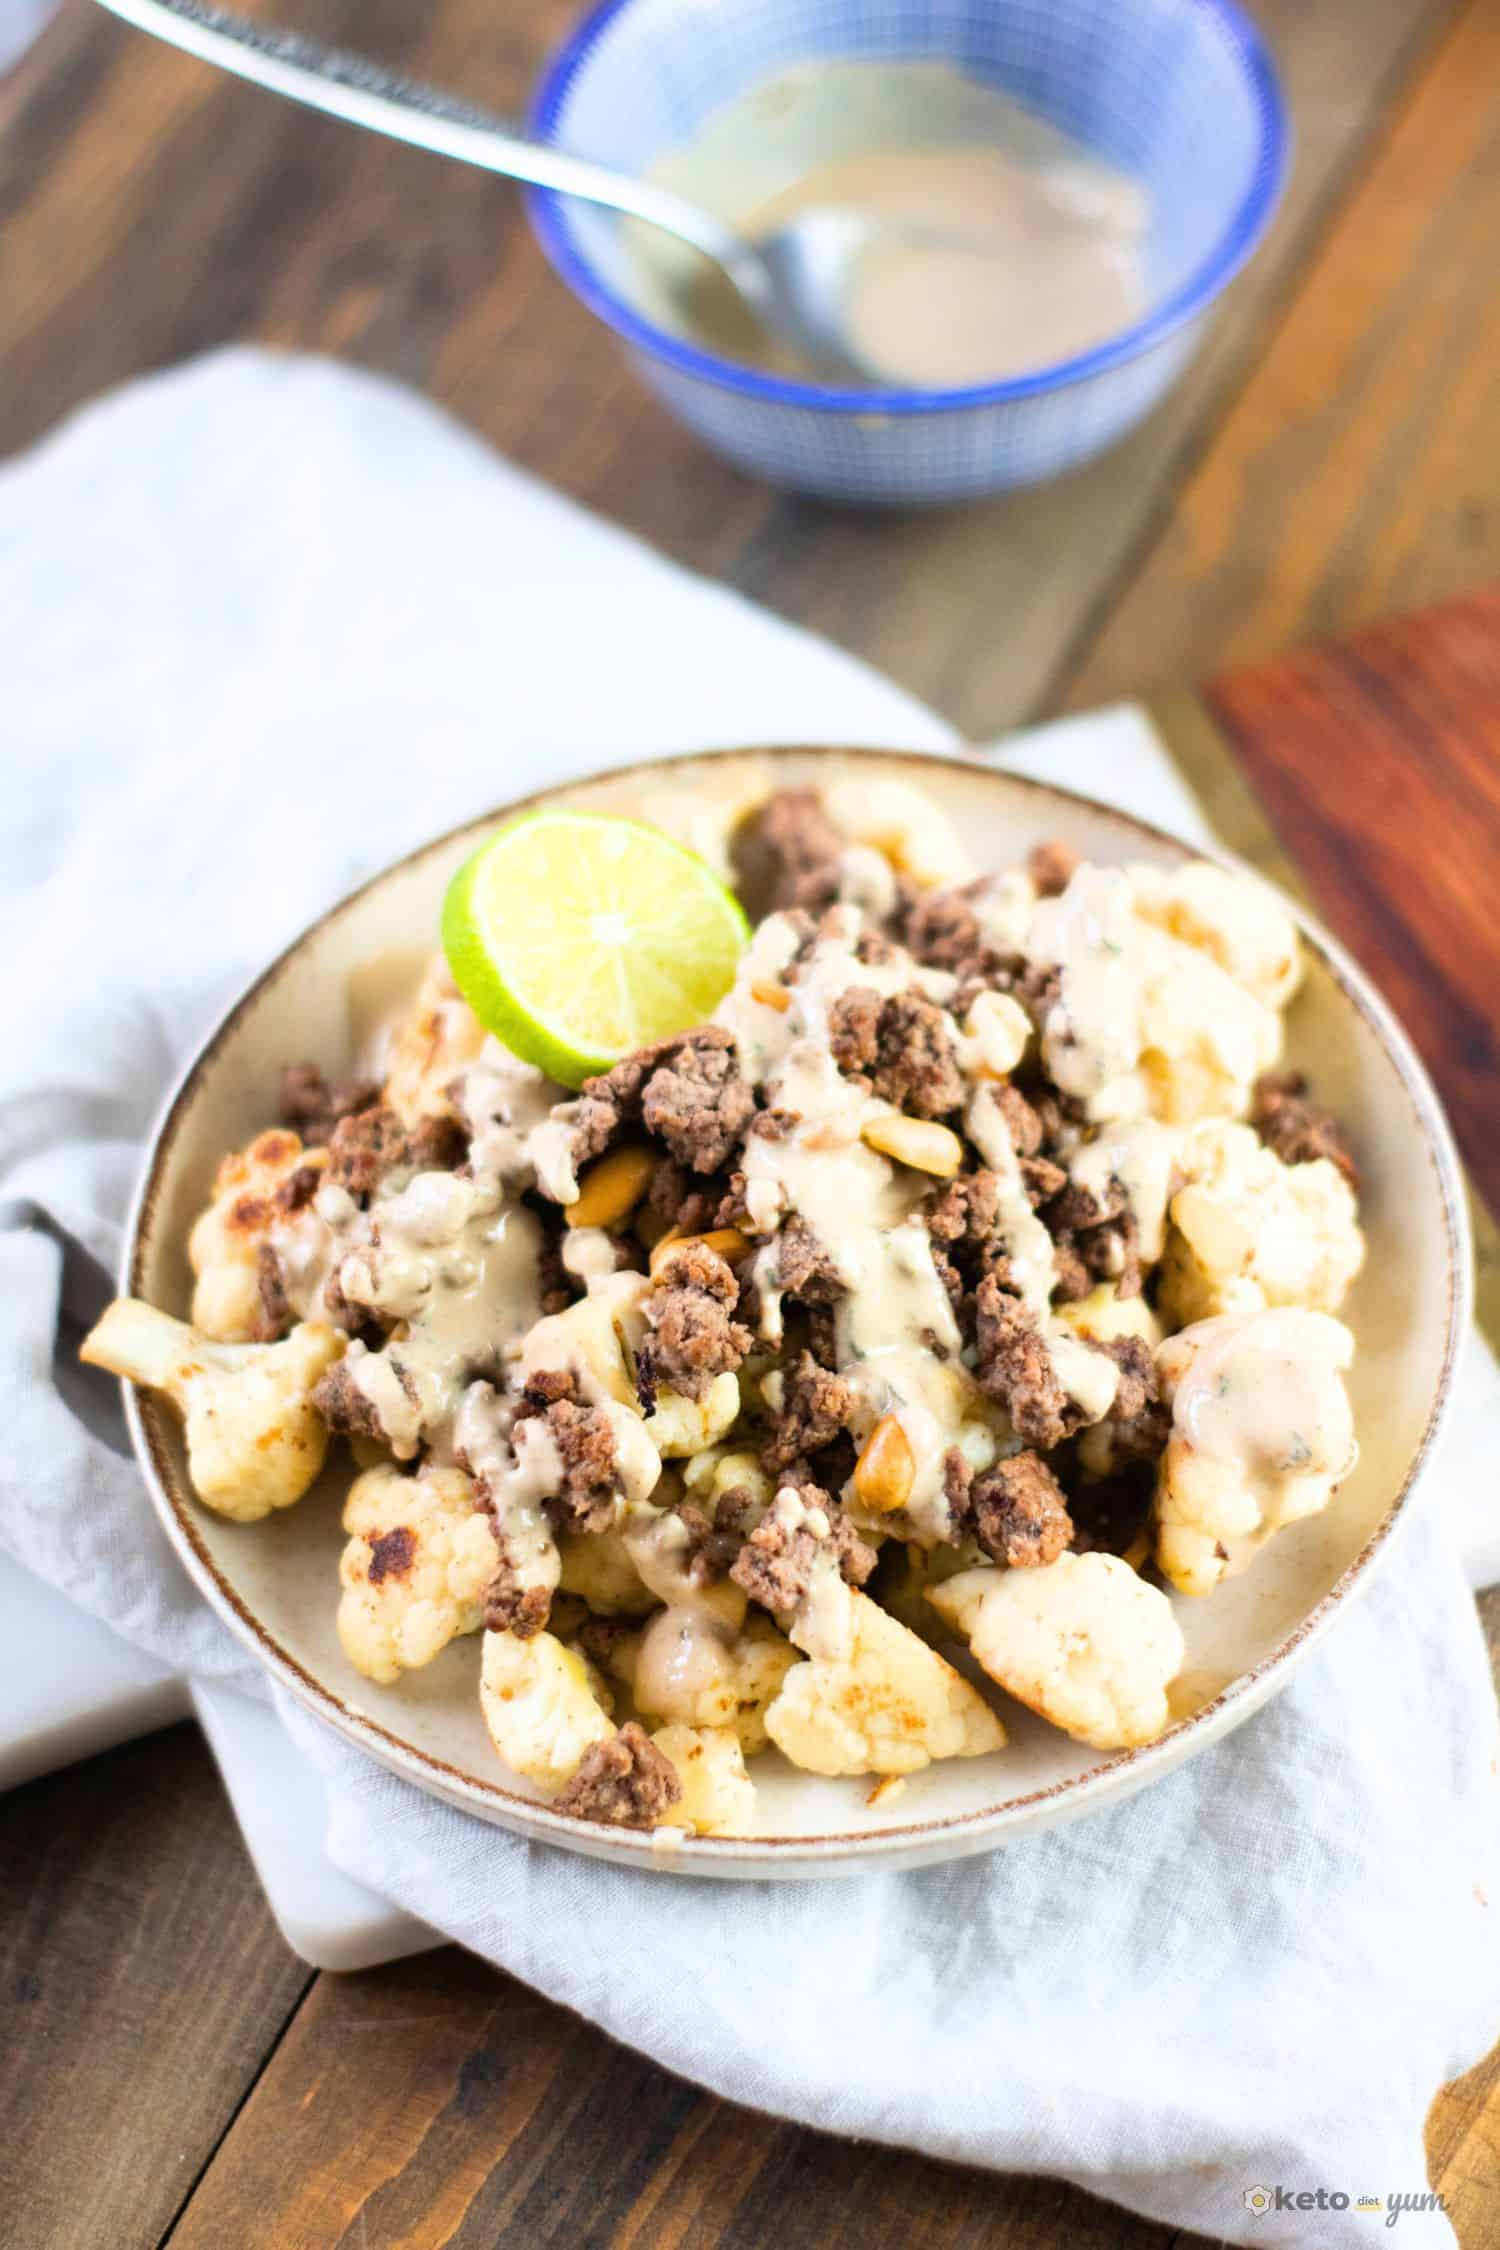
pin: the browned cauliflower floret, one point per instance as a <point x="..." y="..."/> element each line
<point x="1085" y="1642"/>
<point x="414" y="1574"/>
<point x="1248" y="1230"/>
<point x="254" y="1440"/>
<point x="718" y="1796"/>
<point x="540" y="1707"/>
<point x="225" y="1244"/>
<point x="1262" y="1433"/>
<point x="1232" y="916"/>
<point x="886" y="1704"/>
<point x="436" y="1039"/>
<point x="698" y="1670"/>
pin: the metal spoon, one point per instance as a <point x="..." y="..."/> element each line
<point x="795" y="281"/>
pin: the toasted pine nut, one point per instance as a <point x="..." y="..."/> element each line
<point x="917" y="1141"/>
<point x="726" y="1242"/>
<point x="886" y="1471"/>
<point x="772" y="996"/>
<point x="612" y="1187"/>
<point x="662" y="1248"/>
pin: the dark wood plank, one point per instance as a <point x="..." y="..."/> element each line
<point x="155" y="210"/>
<point x="1358" y="471"/>
<point x="438" y="2106"/>
<point x="1378" y="758"/>
<point x="142" y="1983"/>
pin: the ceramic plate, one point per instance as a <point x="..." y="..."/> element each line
<point x="276" y="1583"/>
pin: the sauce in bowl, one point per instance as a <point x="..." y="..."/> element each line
<point x="1038" y="251"/>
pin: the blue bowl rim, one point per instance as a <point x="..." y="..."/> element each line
<point x="1242" y="233"/>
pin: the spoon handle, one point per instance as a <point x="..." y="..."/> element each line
<point x="362" y="93"/>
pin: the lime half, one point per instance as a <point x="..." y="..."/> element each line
<point x="578" y="937"/>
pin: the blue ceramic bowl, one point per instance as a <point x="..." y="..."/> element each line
<point x="1181" y="94"/>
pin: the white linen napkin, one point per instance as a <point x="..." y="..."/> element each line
<point x="264" y="623"/>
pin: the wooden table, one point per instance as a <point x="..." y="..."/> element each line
<point x="168" y="2070"/>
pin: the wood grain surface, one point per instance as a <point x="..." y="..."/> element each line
<point x="171" y="2073"/>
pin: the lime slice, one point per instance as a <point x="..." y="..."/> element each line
<point x="578" y="937"/>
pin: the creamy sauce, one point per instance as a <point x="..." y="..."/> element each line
<point x="1091" y="1038"/>
<point x="504" y="1103"/>
<point x="684" y="1669"/>
<point x="460" y="1270"/>
<point x="1261" y="1392"/>
<point x="897" y="1342"/>
<point x="1137" y="1157"/>
<point x="1036" y="249"/>
<point x="822" y="1624"/>
<point x="1129" y="993"/>
<point x="519" y="1467"/>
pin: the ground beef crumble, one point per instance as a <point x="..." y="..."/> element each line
<point x="586" y="1498"/>
<point x="967" y="1242"/>
<point x="371" y="1142"/>
<point x="510" y="1607"/>
<point x="1297" y="1129"/>
<point x="691" y="1333"/>
<point x="1014" y="1365"/>
<point x="1140" y="1421"/>
<point x="1016" y="1511"/>
<point x="804" y="1270"/>
<point x="678" y="1198"/>
<point x="1093" y="1241"/>
<point x="942" y="930"/>
<point x="775" y="1565"/>
<point x="788" y="854"/>
<point x="344" y="1406"/>
<point x="816" y="1407"/>
<point x="311" y="1106"/>
<point x="623" y="1782"/>
<point x="902" y="1045"/>
<point x="686" y="1090"/>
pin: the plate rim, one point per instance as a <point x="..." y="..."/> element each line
<point x="942" y="1836"/>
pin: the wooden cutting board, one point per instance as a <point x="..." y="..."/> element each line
<point x="1364" y="773"/>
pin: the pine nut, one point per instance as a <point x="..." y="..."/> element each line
<point x="612" y="1188"/>
<point x="726" y="1242"/>
<point x="917" y="1141"/>
<point x="886" y="1471"/>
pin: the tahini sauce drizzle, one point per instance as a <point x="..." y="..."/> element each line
<point x="1262" y="1394"/>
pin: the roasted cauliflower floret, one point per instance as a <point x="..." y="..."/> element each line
<point x="224" y="1245"/>
<point x="1234" y="918"/>
<point x="540" y="1707"/>
<point x="1262" y="1434"/>
<point x="686" y="1669"/>
<point x="600" y="1569"/>
<point x="420" y="1557"/>
<point x="888" y="1704"/>
<point x="254" y="1439"/>
<point x="680" y="1426"/>
<point x="718" y="1796"/>
<point x="903" y="824"/>
<point x="436" y="1039"/>
<point x="1084" y="1642"/>
<point x="1204" y="1038"/>
<point x="721" y="1469"/>
<point x="1248" y="1230"/>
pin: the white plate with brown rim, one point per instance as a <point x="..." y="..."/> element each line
<point x="275" y="1584"/>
